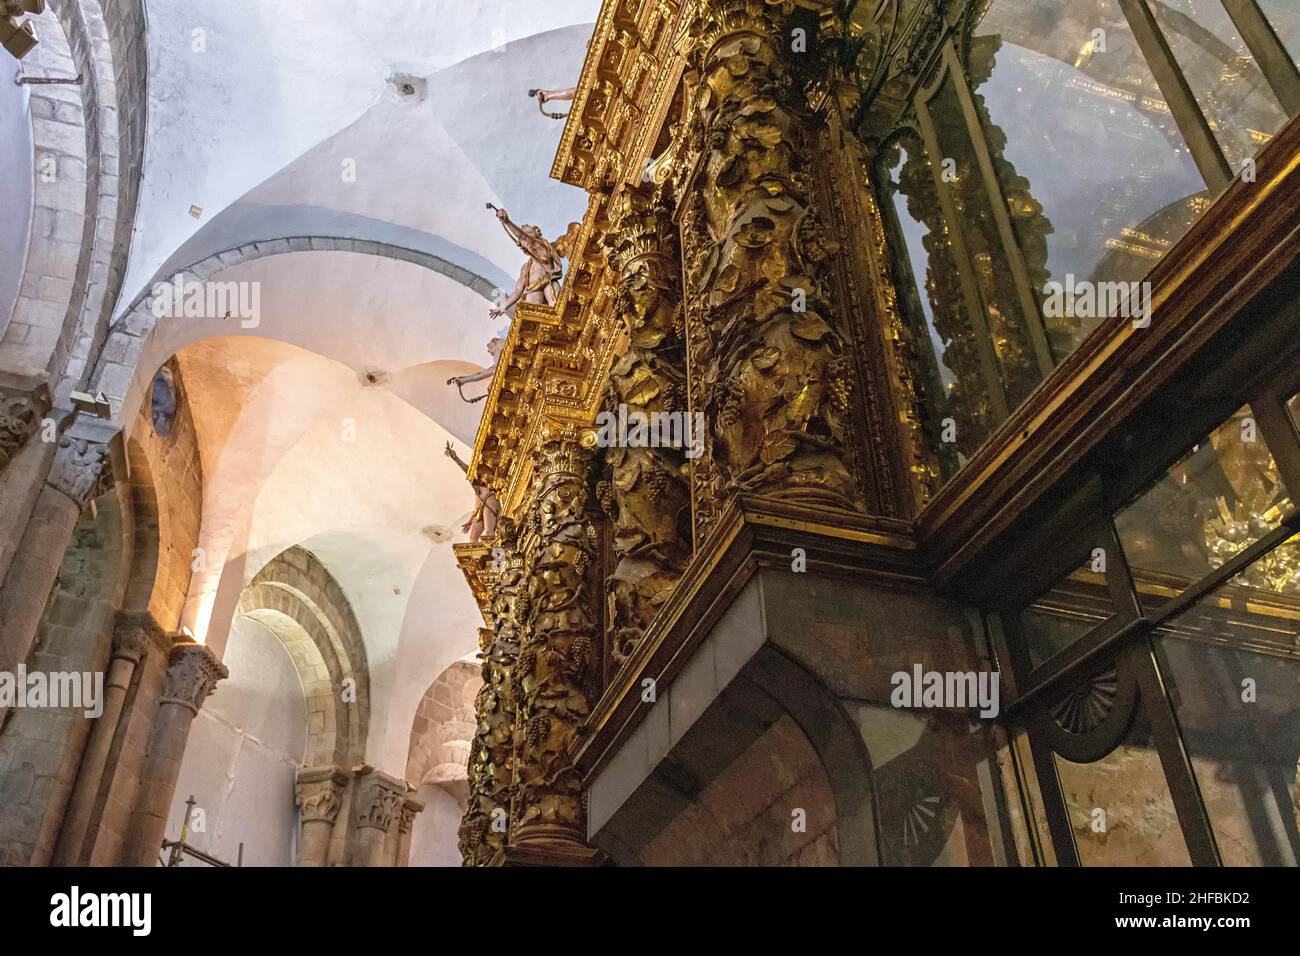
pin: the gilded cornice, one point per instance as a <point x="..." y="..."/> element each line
<point x="475" y="562"/>
<point x="557" y="359"/>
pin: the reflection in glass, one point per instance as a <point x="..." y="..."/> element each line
<point x="1224" y="496"/>
<point x="1232" y="666"/>
<point x="1008" y="327"/>
<point x="1229" y="87"/>
<point x="1284" y="16"/>
<point x="930" y="295"/>
<point x="1120" y="807"/>
<point x="1072" y="608"/>
<point x="1088" y="133"/>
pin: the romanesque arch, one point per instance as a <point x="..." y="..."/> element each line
<point x="298" y="600"/>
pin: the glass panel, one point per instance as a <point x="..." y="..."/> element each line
<point x="1230" y="89"/>
<point x="1120" y="808"/>
<point x="1012" y="343"/>
<point x="1072" y="608"/>
<point x="1099" y="178"/>
<point x="1284" y="15"/>
<point x="930" y="294"/>
<point x="1216" y="502"/>
<point x="1232" y="666"/>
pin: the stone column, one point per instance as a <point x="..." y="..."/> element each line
<point x="491" y="757"/>
<point x="319" y="792"/>
<point x="548" y="821"/>
<point x="378" y="800"/>
<point x="192" y="674"/>
<point x="406" y="819"/>
<point x="766" y="351"/>
<point x="647" y="494"/>
<point x="133" y="633"/>
<point x="79" y="474"/>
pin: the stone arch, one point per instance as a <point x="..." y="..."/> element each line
<point x="46" y="296"/>
<point x="773" y="743"/>
<point x="105" y="236"/>
<point x="115" y="369"/>
<point x="299" y="601"/>
<point x="443" y="728"/>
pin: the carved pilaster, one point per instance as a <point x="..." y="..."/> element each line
<point x="648" y="494"/>
<point x="491" y="760"/>
<point x="192" y="674"/>
<point x="21" y="413"/>
<point x="556" y="654"/>
<point x="134" y="633"/>
<point x="765" y="347"/>
<point x="319" y="792"/>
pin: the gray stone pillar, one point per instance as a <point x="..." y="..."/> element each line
<point x="192" y="674"/>
<point x="133" y="633"/>
<point x="376" y="805"/>
<point x="79" y="474"/>
<point x="319" y="793"/>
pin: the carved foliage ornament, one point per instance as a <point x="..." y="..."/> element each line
<point x="649" y="496"/>
<point x="192" y="674"/>
<point x="556" y="653"/>
<point x="491" y="759"/>
<point x="770" y="359"/>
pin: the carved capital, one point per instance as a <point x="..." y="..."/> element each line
<point x="21" y="413"/>
<point x="81" y="469"/>
<point x="192" y="674"/>
<point x="319" y="792"/>
<point x="378" y="800"/>
<point x="134" y="632"/>
<point x="406" y="817"/>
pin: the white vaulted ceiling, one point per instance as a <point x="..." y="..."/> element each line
<point x="287" y="120"/>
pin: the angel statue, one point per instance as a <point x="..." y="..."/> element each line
<point x="483" y="522"/>
<point x="541" y="276"/>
